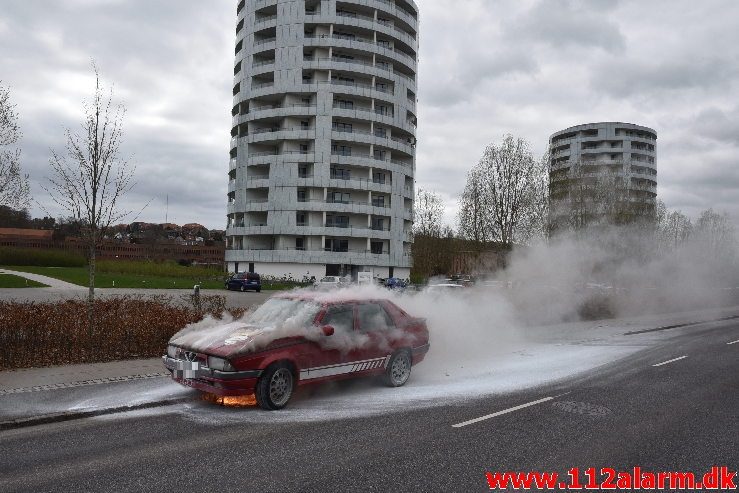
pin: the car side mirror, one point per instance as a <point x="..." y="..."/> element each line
<point x="327" y="330"/>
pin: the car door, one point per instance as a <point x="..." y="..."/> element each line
<point x="376" y="328"/>
<point x="328" y="357"/>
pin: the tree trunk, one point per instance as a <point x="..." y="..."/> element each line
<point x="91" y="294"/>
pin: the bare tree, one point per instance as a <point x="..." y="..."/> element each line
<point x="673" y="229"/>
<point x="89" y="182"/>
<point x="513" y="187"/>
<point x="474" y="218"/>
<point x="428" y="214"/>
<point x="14" y="189"/>
<point x="715" y="235"/>
<point x="534" y="221"/>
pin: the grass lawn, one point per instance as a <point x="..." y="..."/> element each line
<point x="78" y="275"/>
<point x="11" y="281"/>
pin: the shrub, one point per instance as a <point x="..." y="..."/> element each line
<point x="40" y="257"/>
<point x="44" y="334"/>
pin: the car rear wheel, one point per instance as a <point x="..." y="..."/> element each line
<point x="275" y="387"/>
<point x="398" y="370"/>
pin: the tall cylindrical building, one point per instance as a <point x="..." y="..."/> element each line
<point x="602" y="173"/>
<point x="323" y="137"/>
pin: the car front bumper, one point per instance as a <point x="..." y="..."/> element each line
<point x="224" y="383"/>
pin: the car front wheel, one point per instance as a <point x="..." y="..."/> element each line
<point x="243" y="288"/>
<point x="398" y="370"/>
<point x="275" y="387"/>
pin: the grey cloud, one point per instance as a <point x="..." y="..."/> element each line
<point x="717" y="124"/>
<point x="626" y="77"/>
<point x="563" y="24"/>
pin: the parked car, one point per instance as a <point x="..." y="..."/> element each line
<point x="395" y="283"/>
<point x="298" y="339"/>
<point x="447" y="287"/>
<point x="245" y="281"/>
<point x="331" y="282"/>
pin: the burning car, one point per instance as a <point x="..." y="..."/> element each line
<point x="298" y="339"/>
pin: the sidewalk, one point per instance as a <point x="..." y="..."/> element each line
<point x="57" y="377"/>
<point x="49" y="281"/>
<point x="36" y="396"/>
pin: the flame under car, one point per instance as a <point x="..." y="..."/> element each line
<point x="293" y="340"/>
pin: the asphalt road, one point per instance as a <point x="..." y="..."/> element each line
<point x="681" y="415"/>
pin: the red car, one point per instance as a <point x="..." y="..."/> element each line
<point x="293" y="340"/>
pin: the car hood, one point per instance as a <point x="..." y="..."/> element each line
<point x="234" y="338"/>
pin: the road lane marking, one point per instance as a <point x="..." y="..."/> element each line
<point x="500" y="413"/>
<point x="670" y="361"/>
<point x="732" y="342"/>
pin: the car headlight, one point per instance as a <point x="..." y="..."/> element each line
<point x="219" y="364"/>
<point x="171" y="351"/>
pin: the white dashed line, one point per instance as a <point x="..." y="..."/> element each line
<point x="732" y="342"/>
<point x="670" y="361"/>
<point x="499" y="413"/>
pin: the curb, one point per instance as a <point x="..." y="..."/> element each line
<point x="677" y="326"/>
<point x="73" y="415"/>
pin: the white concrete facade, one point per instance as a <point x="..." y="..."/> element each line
<point x="595" y="156"/>
<point x="323" y="136"/>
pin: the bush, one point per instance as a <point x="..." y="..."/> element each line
<point x="44" y="334"/>
<point x="39" y="257"/>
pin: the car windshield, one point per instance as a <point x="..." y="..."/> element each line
<point x="277" y="312"/>
<point x="328" y="279"/>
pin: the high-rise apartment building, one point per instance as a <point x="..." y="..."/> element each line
<point x="602" y="173"/>
<point x="323" y="138"/>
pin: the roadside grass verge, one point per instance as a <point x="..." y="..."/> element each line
<point x="146" y="275"/>
<point x="11" y="281"/>
<point x="79" y="276"/>
<point x="128" y="327"/>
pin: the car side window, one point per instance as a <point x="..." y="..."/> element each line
<point x="340" y="317"/>
<point x="373" y="316"/>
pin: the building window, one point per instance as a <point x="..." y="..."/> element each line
<point x="376" y="247"/>
<point x="379" y="155"/>
<point x="339" y="197"/>
<point x="303" y="148"/>
<point x="300" y="243"/>
<point x="381" y="132"/>
<point x="340" y="174"/>
<point x="341" y="150"/>
<point x="378" y="201"/>
<point x="378" y="178"/>
<point x="302" y="196"/>
<point x="378" y="223"/>
<point x="336" y="245"/>
<point x="337" y="221"/>
<point x="342" y="127"/>
<point x="301" y="218"/>
<point x="346" y="105"/>
<point x="302" y="171"/>
<point x="304" y="125"/>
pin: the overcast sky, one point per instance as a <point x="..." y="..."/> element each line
<point x="487" y="67"/>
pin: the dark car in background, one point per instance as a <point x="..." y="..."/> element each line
<point x="245" y="281"/>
